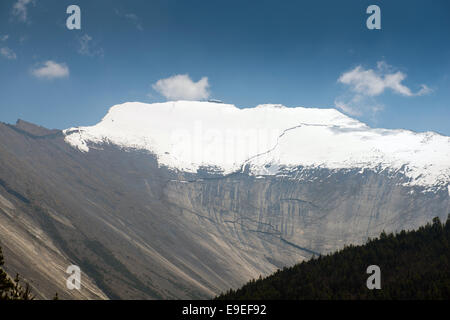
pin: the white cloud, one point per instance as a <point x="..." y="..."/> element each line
<point x="5" y="51"/>
<point x="84" y="44"/>
<point x="51" y="70"/>
<point x="86" y="48"/>
<point x="347" y="108"/>
<point x="133" y="18"/>
<point x="20" y="9"/>
<point x="181" y="87"/>
<point x="8" y="53"/>
<point x="374" y="82"/>
<point x="424" y="89"/>
<point x="366" y="84"/>
<point x="358" y="105"/>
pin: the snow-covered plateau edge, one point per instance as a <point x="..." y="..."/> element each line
<point x="189" y="135"/>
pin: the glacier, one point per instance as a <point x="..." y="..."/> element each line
<point x="268" y="139"/>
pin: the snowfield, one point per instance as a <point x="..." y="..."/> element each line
<point x="188" y="135"/>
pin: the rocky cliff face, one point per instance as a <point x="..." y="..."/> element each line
<point x="315" y="215"/>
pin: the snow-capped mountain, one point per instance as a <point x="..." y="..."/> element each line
<point x="268" y="139"/>
<point x="188" y="199"/>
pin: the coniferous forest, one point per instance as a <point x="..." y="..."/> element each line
<point x="413" y="265"/>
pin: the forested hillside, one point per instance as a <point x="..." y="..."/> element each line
<point x="414" y="265"/>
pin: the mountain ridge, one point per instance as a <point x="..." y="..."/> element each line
<point x="188" y="135"/>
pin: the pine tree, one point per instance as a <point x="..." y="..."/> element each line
<point x="12" y="289"/>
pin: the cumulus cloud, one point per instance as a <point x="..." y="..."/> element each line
<point x="87" y="48"/>
<point x="181" y="87"/>
<point x="20" y="9"/>
<point x="51" y="70"/>
<point x="374" y="82"/>
<point x="8" y="53"/>
<point x="4" y="37"/>
<point x="366" y="84"/>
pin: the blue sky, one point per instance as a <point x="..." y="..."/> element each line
<point x="296" y="53"/>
